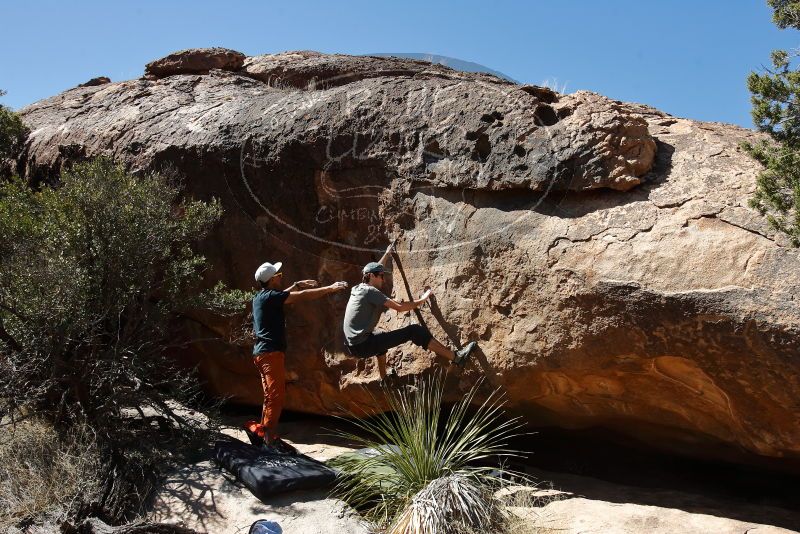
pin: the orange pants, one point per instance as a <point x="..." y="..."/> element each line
<point x="273" y="380"/>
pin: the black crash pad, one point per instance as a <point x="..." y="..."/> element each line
<point x="266" y="474"/>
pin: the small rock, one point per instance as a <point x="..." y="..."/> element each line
<point x="196" y="61"/>
<point x="100" y="80"/>
<point x="545" y="94"/>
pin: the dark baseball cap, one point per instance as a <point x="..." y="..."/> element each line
<point x="373" y="267"/>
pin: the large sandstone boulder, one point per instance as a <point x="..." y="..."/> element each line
<point x="602" y="253"/>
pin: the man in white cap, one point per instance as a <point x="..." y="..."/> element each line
<point x="269" y="327"/>
<point x="367" y="303"/>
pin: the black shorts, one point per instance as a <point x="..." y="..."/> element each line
<point x="379" y="343"/>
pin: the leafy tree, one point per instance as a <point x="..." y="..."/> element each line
<point x="786" y="13"/>
<point x="776" y="111"/>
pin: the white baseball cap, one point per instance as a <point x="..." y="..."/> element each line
<point x="267" y="271"/>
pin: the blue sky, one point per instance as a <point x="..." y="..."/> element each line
<point x="688" y="58"/>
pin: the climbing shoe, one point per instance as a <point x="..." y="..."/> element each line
<point x="278" y="446"/>
<point x="463" y="353"/>
<point x="251" y="429"/>
<point x="391" y="380"/>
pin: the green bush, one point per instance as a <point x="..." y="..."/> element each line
<point x="12" y="132"/>
<point x="93" y="274"/>
<point x="89" y="276"/>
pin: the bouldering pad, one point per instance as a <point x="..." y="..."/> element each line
<point x="266" y="474"/>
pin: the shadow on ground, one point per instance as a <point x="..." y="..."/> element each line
<point x="203" y="497"/>
<point x="600" y="466"/>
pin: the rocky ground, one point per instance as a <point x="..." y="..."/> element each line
<point x="206" y="499"/>
<point x="582" y="505"/>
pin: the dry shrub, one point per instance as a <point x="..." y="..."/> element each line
<point x="45" y="477"/>
<point x="457" y="505"/>
<point x="450" y="505"/>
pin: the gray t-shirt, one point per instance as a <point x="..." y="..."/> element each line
<point x="364" y="308"/>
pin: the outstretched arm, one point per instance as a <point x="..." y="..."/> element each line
<point x="386" y="255"/>
<point x="410" y="305"/>
<point x="302" y="284"/>
<point x="314" y="294"/>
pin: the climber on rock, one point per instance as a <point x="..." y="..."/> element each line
<point x="367" y="303"/>
<point x="269" y="328"/>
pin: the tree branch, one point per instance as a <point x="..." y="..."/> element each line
<point x="8" y="338"/>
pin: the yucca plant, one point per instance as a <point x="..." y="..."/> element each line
<point x="452" y="503"/>
<point x="423" y="472"/>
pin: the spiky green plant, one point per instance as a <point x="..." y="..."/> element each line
<point x="412" y="446"/>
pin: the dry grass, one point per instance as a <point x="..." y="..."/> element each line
<point x="525" y="510"/>
<point x="448" y="505"/>
<point x="457" y="505"/>
<point x="43" y="478"/>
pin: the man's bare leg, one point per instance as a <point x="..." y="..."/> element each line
<point x="441" y="350"/>
<point x="381" y="359"/>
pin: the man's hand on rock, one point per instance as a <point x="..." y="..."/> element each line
<point x="427" y="294"/>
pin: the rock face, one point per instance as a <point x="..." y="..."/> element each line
<point x="602" y="253"/>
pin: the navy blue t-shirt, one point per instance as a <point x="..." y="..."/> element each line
<point x="269" y="324"/>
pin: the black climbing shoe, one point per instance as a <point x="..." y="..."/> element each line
<point x="391" y="380"/>
<point x="463" y="354"/>
<point x="278" y="446"/>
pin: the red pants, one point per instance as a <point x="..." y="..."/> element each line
<point x="273" y="380"/>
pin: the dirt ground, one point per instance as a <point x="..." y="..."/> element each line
<point x="207" y="499"/>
